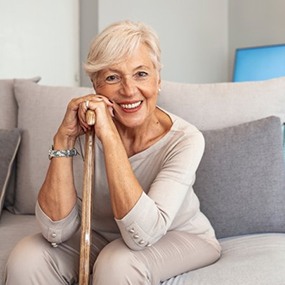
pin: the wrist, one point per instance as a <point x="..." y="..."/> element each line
<point x="61" y="141"/>
<point x="62" y="153"/>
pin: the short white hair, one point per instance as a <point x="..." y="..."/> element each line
<point x="119" y="40"/>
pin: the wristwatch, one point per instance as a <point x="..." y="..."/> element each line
<point x="62" y="153"/>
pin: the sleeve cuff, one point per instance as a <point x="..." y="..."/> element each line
<point x="58" y="231"/>
<point x="134" y="227"/>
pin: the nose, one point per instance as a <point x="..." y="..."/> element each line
<point x="128" y="87"/>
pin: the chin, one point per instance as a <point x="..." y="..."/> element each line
<point x="131" y="122"/>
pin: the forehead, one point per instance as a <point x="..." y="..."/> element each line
<point x="139" y="58"/>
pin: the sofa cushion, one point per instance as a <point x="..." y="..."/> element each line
<point x="41" y="110"/>
<point x="219" y="105"/>
<point x="241" y="178"/>
<point x="246" y="260"/>
<point x="9" y="143"/>
<point x="12" y="229"/>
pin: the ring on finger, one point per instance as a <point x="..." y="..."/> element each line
<point x="98" y="98"/>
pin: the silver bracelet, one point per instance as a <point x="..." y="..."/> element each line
<point x="62" y="153"/>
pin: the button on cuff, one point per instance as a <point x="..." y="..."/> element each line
<point x="54" y="235"/>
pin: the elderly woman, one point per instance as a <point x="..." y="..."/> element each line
<point x="147" y="225"/>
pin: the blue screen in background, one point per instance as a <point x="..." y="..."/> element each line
<point x="259" y="63"/>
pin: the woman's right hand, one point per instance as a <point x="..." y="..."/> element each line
<point x="74" y="123"/>
<point x="70" y="127"/>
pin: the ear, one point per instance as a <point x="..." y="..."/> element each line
<point x="158" y="78"/>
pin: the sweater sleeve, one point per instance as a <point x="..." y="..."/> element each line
<point x="155" y="212"/>
<point x="58" y="231"/>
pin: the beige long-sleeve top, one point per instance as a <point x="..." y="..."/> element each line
<point x="166" y="172"/>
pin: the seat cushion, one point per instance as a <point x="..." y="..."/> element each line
<point x="246" y="260"/>
<point x="12" y="229"/>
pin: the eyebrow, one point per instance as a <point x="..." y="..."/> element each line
<point x="136" y="68"/>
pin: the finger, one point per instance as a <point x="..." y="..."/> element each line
<point x="111" y="110"/>
<point x="81" y="115"/>
<point x="84" y="107"/>
<point x="106" y="100"/>
<point x="93" y="103"/>
<point x="87" y="104"/>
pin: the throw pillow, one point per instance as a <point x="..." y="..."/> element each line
<point x="9" y="143"/>
<point x="241" y="178"/>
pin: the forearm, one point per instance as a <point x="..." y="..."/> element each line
<point x="57" y="195"/>
<point x="124" y="187"/>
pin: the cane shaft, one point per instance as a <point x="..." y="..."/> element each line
<point x="88" y="185"/>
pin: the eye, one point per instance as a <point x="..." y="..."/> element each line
<point x="113" y="78"/>
<point x="141" y="75"/>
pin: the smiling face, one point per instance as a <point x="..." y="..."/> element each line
<point x="132" y="86"/>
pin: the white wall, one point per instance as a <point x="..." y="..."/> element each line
<point x="88" y="19"/>
<point x="255" y="23"/>
<point x="198" y="38"/>
<point x="40" y="38"/>
<point x="193" y="34"/>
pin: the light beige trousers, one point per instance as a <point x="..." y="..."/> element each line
<point x="35" y="262"/>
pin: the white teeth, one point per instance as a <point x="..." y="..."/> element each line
<point x="131" y="106"/>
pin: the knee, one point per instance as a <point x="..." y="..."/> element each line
<point x="117" y="264"/>
<point x="26" y="256"/>
<point x="112" y="257"/>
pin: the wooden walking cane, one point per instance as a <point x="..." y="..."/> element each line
<point x="88" y="184"/>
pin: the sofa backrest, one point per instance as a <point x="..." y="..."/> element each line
<point x="219" y="105"/>
<point x="8" y="121"/>
<point x="38" y="110"/>
<point x="8" y="105"/>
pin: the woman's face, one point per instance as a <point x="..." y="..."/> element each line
<point x="132" y="86"/>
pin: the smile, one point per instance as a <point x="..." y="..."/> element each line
<point x="131" y="106"/>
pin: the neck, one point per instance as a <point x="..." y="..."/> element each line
<point x="142" y="137"/>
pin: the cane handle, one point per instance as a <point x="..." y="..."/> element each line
<point x="90" y="117"/>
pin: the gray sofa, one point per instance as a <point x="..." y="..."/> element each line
<point x="240" y="181"/>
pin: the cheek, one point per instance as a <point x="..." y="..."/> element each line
<point x="151" y="90"/>
<point x="105" y="91"/>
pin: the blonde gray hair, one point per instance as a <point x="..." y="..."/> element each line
<point x="119" y="40"/>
